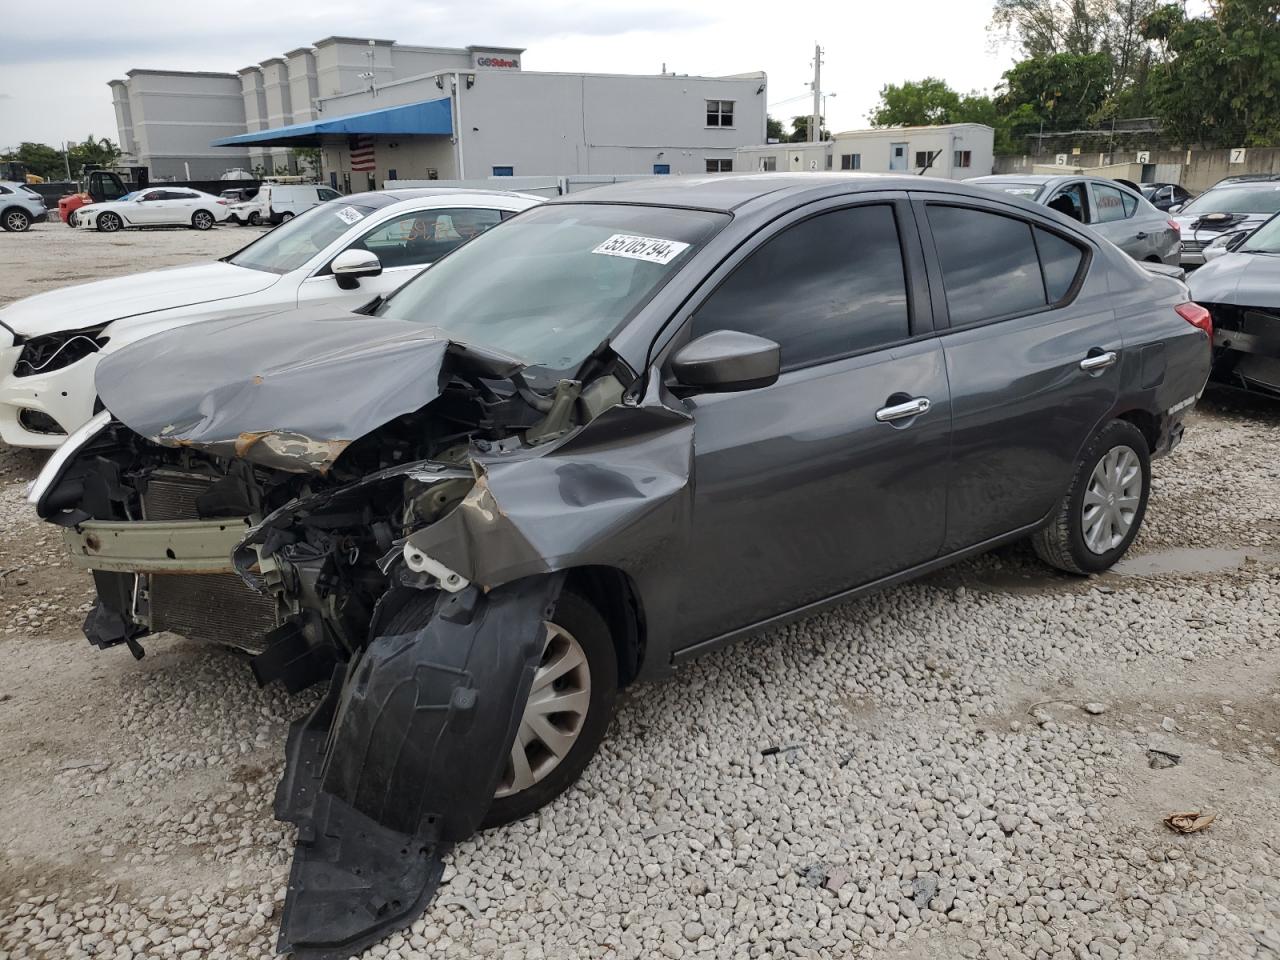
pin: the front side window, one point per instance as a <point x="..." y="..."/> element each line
<point x="989" y="265"/>
<point x="850" y="161"/>
<point x="962" y="158"/>
<point x="821" y="289"/>
<point x="1110" y="204"/>
<point x="554" y="282"/>
<point x="720" y="113"/>
<point x="1072" y="201"/>
<point x="327" y="194"/>
<point x="424" y="236"/>
<point x="293" y="243"/>
<point x="719" y="166"/>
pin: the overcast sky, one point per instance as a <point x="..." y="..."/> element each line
<point x="52" y="89"/>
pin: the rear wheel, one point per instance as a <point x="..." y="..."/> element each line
<point x="16" y="221"/>
<point x="255" y="219"/>
<point x="1102" y="511"/>
<point x="109" y="222"/>
<point x="202" y="219"/>
<point x="286" y="217"/>
<point x="71" y="219"/>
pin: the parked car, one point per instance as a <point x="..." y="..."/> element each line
<point x="20" y="206"/>
<point x="154" y="207"/>
<point x="1116" y="212"/>
<point x="284" y="201"/>
<point x="622" y="430"/>
<point x="1241" y="289"/>
<point x="1228" y="208"/>
<point x="1162" y="196"/>
<point x="234" y="195"/>
<point x="342" y="253"/>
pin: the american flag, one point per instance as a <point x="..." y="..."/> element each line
<point x="362" y="154"/>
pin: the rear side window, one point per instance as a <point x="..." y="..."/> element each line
<point x="1130" y="204"/>
<point x="823" y="288"/>
<point x="1111" y="205"/>
<point x="989" y="264"/>
<point x="1060" y="260"/>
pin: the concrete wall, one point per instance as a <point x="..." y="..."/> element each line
<point x="1196" y="170"/>
<point x="410" y="61"/>
<point x="255" y="111"/>
<point x="784" y="157"/>
<point x="340" y="61"/>
<point x="275" y="83"/>
<point x="175" y="115"/>
<point x="124" y="117"/>
<point x="552" y="124"/>
<point x="304" y="87"/>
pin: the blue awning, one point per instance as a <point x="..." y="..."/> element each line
<point x="426" y="117"/>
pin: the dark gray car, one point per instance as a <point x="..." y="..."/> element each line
<point x="1114" y="211"/>
<point x="612" y="434"/>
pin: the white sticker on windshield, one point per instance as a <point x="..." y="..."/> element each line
<point x="349" y="215"/>
<point x="649" y="249"/>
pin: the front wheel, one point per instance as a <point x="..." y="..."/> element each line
<point x="109" y="222"/>
<point x="202" y="220"/>
<point x="16" y="221"/>
<point x="255" y="219"/>
<point x="1102" y="511"/>
<point x="566" y="716"/>
<point x="286" y="217"/>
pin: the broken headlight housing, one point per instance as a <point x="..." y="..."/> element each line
<point x="53" y="351"/>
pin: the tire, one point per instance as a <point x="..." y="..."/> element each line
<point x="17" y="220"/>
<point x="577" y="618"/>
<point x="71" y="219"/>
<point x="286" y="216"/>
<point x="255" y="219"/>
<point x="202" y="220"/>
<point x="109" y="222"/>
<point x="1079" y="544"/>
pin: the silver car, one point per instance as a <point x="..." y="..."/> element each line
<point x="1111" y="210"/>
<point x="1239" y="206"/>
<point x="20" y="206"/>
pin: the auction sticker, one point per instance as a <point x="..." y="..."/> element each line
<point x="349" y="215"/>
<point x="649" y="249"/>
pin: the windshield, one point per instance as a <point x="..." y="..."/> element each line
<point x="1027" y="191"/>
<point x="1235" y="200"/>
<point x="296" y="241"/>
<point x="551" y="284"/>
<point x="1266" y="239"/>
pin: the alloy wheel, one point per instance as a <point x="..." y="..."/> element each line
<point x="17" y="221"/>
<point x="108" y="223"/>
<point x="1111" y="499"/>
<point x="202" y="220"/>
<point x="554" y="714"/>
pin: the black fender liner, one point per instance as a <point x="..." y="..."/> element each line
<point x="401" y="760"/>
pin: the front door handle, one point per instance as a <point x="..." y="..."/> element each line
<point x="1099" y="361"/>
<point x="901" y="411"/>
<point x="1140" y="236"/>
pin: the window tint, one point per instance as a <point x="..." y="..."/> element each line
<point x="4" y="190"/>
<point x="1130" y="204"/>
<point x="1110" y="201"/>
<point x="988" y="261"/>
<point x="1060" y="259"/>
<point x="1071" y="201"/>
<point x="425" y="236"/>
<point x="327" y="194"/>
<point x="823" y="288"/>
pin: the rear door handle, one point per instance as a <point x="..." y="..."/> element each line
<point x="901" y="411"/>
<point x="1099" y="361"/>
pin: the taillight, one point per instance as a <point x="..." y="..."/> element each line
<point x="222" y="202"/>
<point x="1197" y="316"/>
<point x="1174" y="226"/>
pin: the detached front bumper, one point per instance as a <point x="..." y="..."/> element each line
<point x="40" y="410"/>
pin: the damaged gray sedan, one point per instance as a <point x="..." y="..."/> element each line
<point x="612" y="434"/>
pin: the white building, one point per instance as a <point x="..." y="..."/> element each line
<point x="433" y="112"/>
<point x="954" y="151"/>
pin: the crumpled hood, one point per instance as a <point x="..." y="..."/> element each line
<point x="103" y="301"/>
<point x="1211" y="225"/>
<point x="1243" y="279"/>
<point x="289" y="390"/>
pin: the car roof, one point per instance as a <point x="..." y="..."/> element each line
<point x="1253" y="183"/>
<point x="384" y="198"/>
<point x="727" y="192"/>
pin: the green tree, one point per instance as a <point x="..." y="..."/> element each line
<point x="773" y="130"/>
<point x="916" y="103"/>
<point x="40" y="159"/>
<point x="1220" y="83"/>
<point x="99" y="150"/>
<point x="800" y="130"/>
<point x="1062" y="91"/>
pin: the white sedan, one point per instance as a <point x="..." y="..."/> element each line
<point x="343" y="252"/>
<point x="156" y="207"/>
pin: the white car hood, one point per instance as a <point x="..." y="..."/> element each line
<point x="103" y="301"/>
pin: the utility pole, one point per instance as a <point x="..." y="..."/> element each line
<point x="815" y="122"/>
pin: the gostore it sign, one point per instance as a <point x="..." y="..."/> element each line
<point x="496" y="62"/>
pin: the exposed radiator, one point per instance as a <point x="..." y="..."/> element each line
<point x="172" y="496"/>
<point x="213" y="606"/>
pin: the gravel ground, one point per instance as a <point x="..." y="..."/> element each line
<point x="965" y="764"/>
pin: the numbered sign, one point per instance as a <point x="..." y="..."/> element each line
<point x="1237" y="155"/>
<point x="1061" y="160"/>
<point x="1144" y="156"/>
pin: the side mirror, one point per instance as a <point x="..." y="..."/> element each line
<point x="350" y="265"/>
<point x="725" y="361"/>
<point x="1175" y="208"/>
